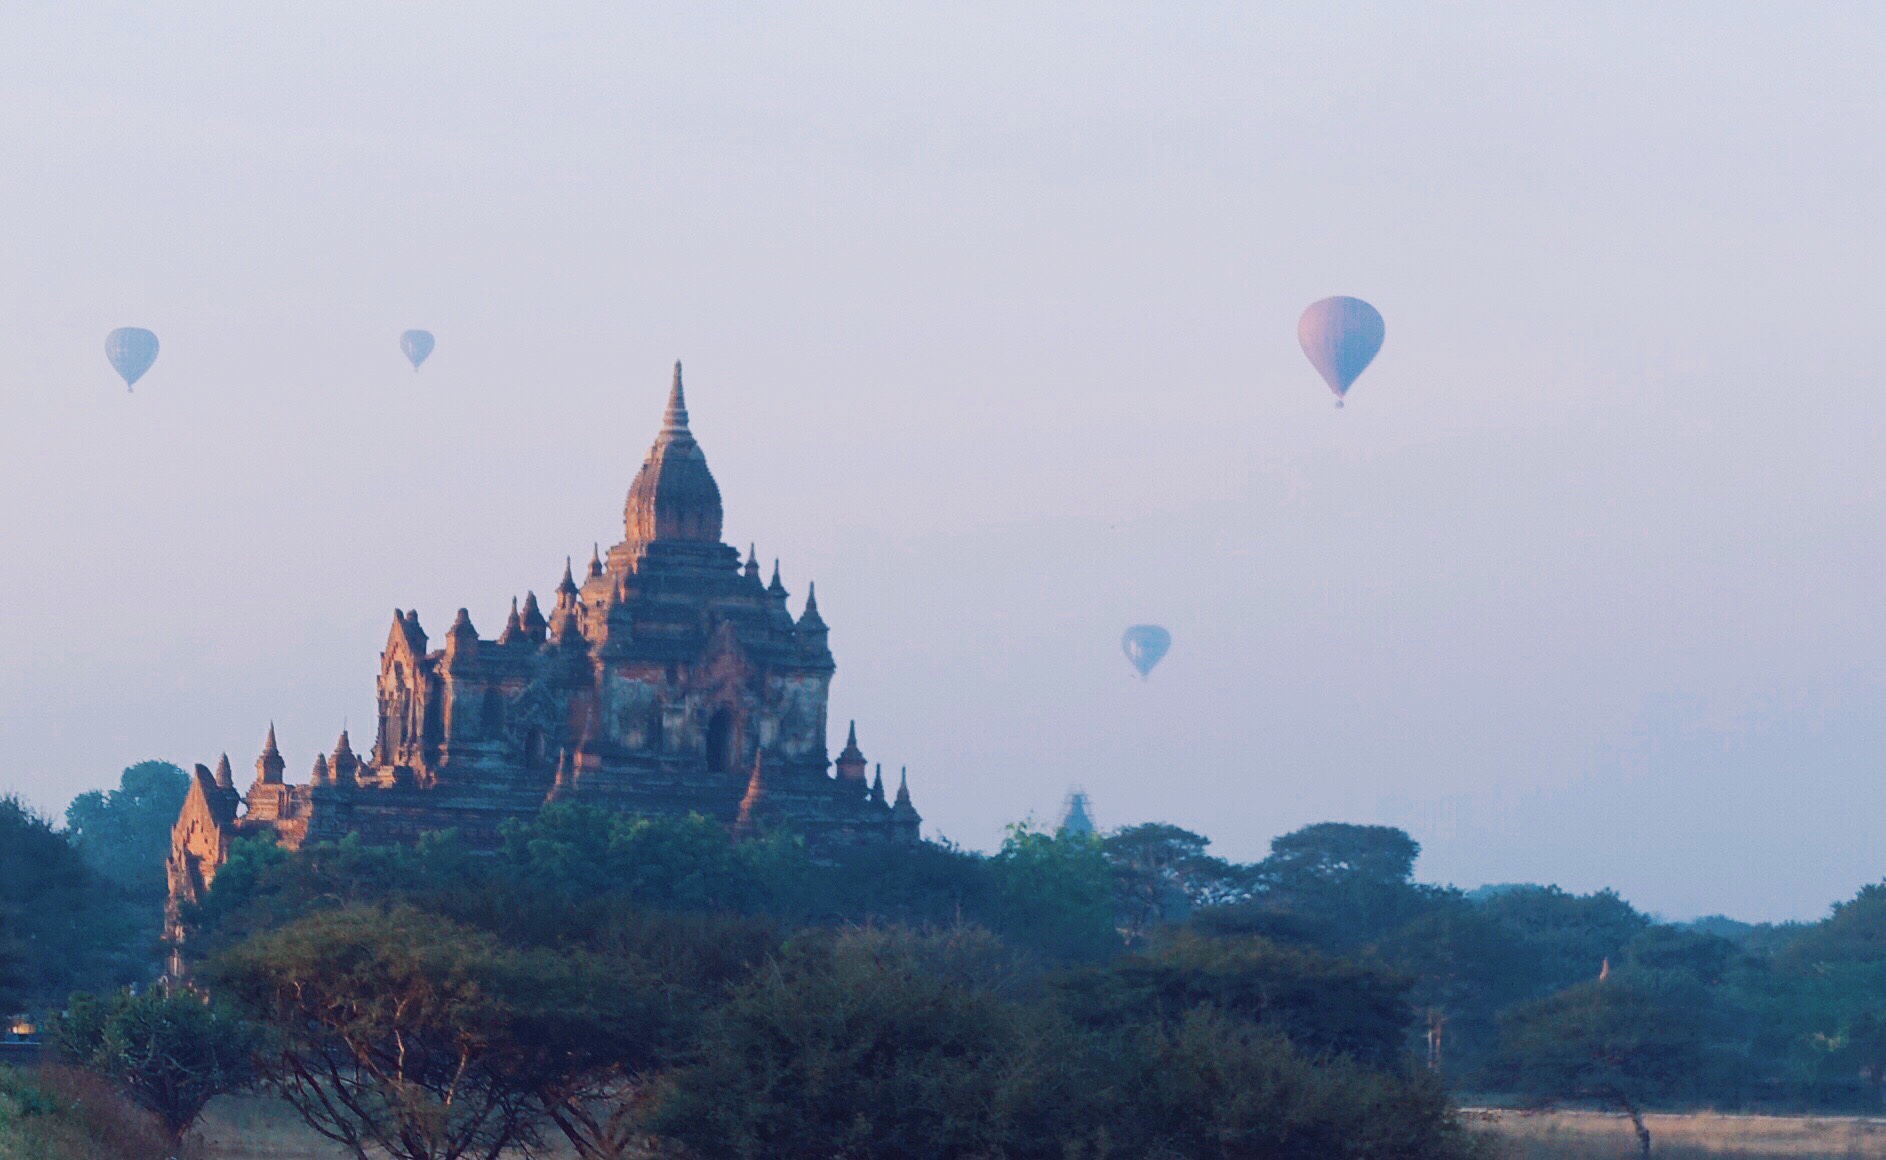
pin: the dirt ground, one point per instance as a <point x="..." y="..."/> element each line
<point x="1569" y="1135"/>
<point x="258" y="1129"/>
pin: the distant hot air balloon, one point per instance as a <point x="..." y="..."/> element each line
<point x="132" y="350"/>
<point x="1145" y="645"/>
<point x="1341" y="337"/>
<point x="417" y="344"/>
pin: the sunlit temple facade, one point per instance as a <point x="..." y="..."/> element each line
<point x="669" y="678"/>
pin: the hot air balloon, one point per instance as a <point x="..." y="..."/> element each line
<point x="1341" y="337"/>
<point x="418" y="346"/>
<point x="1145" y="645"/>
<point x="132" y="350"/>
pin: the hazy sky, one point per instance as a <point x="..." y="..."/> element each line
<point x="989" y="318"/>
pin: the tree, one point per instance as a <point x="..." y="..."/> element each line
<point x="12" y="969"/>
<point x="1054" y="892"/>
<point x="666" y="863"/>
<point x="856" y="1045"/>
<point x="70" y="929"/>
<point x="1213" y="1086"/>
<point x="394" y="1029"/>
<point x="1358" y="880"/>
<point x="1465" y="967"/>
<point x="1160" y="872"/>
<point x="171" y="1054"/>
<point x="1613" y="1040"/>
<point x="1706" y="959"/>
<point x="1321" y="1004"/>
<point x="124" y="833"/>
<point x="1854" y="934"/>
<point x="1570" y="935"/>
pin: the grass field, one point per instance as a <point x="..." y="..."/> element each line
<point x="1693" y="1136"/>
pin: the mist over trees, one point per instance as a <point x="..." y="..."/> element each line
<point x="630" y="984"/>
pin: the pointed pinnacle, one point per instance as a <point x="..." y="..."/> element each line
<point x="851" y="740"/>
<point x="595" y="559"/>
<point x="269" y="745"/>
<point x="568" y="583"/>
<point x="675" y="419"/>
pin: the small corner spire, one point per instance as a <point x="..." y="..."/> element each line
<point x="268" y="745"/>
<point x="851" y="736"/>
<point x="568" y="583"/>
<point x="595" y="559"/>
<point x="776" y="588"/>
<point x="810" y="620"/>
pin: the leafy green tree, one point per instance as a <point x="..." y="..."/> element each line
<point x="853" y="1045"/>
<point x="171" y="1054"/>
<point x="1214" y="1086"/>
<point x="1571" y="935"/>
<point x="1706" y="959"/>
<point x="667" y="863"/>
<point x="124" y="833"/>
<point x="1160" y="872"/>
<point x="1322" y="1004"/>
<point x="1465" y="967"/>
<point x="71" y="929"/>
<point x="1854" y="934"/>
<point x="1357" y="882"/>
<point x="12" y="969"/>
<point x="1614" y="1040"/>
<point x="1054" y="893"/>
<point x="931" y="883"/>
<point x="393" y="1030"/>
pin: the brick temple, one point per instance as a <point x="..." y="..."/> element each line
<point x="671" y="680"/>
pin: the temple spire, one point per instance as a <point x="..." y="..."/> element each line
<point x="905" y="820"/>
<point x="345" y="764"/>
<point x="850" y="761"/>
<point x="810" y="621"/>
<point x="776" y="588"/>
<point x="533" y="619"/>
<point x="269" y="766"/>
<point x="225" y="777"/>
<point x="595" y="559"/>
<point x="567" y="585"/>
<point x="674" y="421"/>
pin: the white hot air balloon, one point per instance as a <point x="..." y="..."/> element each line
<point x="1340" y="336"/>
<point x="132" y="350"/>
<point x="417" y="345"/>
